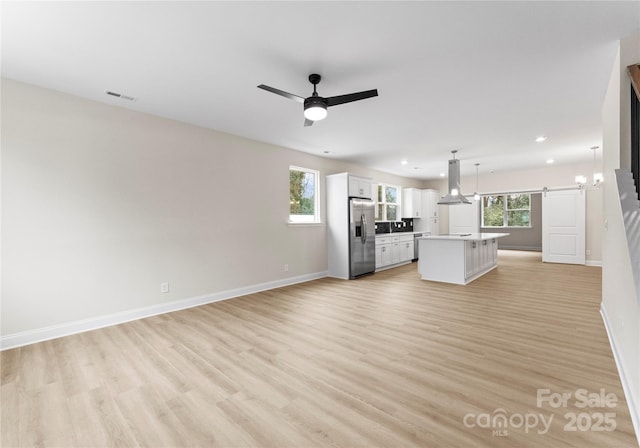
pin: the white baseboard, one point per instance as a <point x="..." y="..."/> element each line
<point x="632" y="402"/>
<point x="57" y="331"/>
<point x="593" y="263"/>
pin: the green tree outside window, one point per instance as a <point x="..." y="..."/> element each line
<point x="512" y="210"/>
<point x="302" y="195"/>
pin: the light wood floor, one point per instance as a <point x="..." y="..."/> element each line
<point x="383" y="361"/>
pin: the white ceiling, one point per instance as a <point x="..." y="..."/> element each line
<point x="482" y="77"/>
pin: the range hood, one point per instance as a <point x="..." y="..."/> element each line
<point x="454" y="197"/>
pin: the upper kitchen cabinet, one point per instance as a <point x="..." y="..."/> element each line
<point x="429" y="216"/>
<point x="412" y="203"/>
<point x="430" y="205"/>
<point x="360" y="187"/>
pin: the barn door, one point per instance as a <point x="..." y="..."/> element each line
<point x="563" y="227"/>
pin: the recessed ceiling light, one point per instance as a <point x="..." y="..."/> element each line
<point x="416" y="167"/>
<point x="442" y="174"/>
<point x="328" y="152"/>
<point x="550" y="161"/>
<point x="541" y="139"/>
<point x="404" y="161"/>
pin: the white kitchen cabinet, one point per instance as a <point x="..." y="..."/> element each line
<point x="383" y="251"/>
<point x="485" y="254"/>
<point x="481" y="256"/>
<point x="430" y="207"/>
<point x="458" y="259"/>
<point x="429" y="221"/>
<point x="360" y="187"/>
<point x="431" y="226"/>
<point x="395" y="252"/>
<point x="472" y="257"/>
<point x="405" y="245"/>
<point x="385" y="257"/>
<point x="488" y="253"/>
<point x="494" y="252"/>
<point x="411" y="203"/>
<point x="392" y="250"/>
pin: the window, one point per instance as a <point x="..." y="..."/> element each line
<point x="388" y="203"/>
<point x="303" y="195"/>
<point x="508" y="210"/>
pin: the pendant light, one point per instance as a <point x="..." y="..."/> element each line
<point x="581" y="180"/>
<point x="476" y="195"/>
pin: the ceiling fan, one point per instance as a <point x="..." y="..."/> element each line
<point x="315" y="106"/>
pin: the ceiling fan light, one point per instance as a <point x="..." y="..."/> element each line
<point x="315" y="112"/>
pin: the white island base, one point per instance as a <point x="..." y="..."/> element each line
<point x="458" y="258"/>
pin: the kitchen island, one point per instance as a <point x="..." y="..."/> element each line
<point x="458" y="258"/>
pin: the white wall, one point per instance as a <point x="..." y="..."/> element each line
<point x="620" y="300"/>
<point x="548" y="176"/>
<point x="101" y="204"/>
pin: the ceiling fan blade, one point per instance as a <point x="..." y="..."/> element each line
<point x="291" y="96"/>
<point x="308" y="122"/>
<point x="341" y="99"/>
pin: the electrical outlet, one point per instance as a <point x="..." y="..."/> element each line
<point x="588" y="252"/>
<point x="164" y="288"/>
<point x="286" y="268"/>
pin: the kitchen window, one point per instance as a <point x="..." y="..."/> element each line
<point x="506" y="210"/>
<point x="304" y="187"/>
<point x="388" y="203"/>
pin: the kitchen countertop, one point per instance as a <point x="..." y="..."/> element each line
<point x="397" y="233"/>
<point x="466" y="236"/>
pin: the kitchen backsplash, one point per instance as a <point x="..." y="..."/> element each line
<point x="406" y="225"/>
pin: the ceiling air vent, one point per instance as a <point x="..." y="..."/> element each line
<point x="120" y="95"/>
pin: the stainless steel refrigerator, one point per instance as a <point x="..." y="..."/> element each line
<point x="362" y="237"/>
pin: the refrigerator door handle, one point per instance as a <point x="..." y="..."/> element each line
<point x="363" y="225"/>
